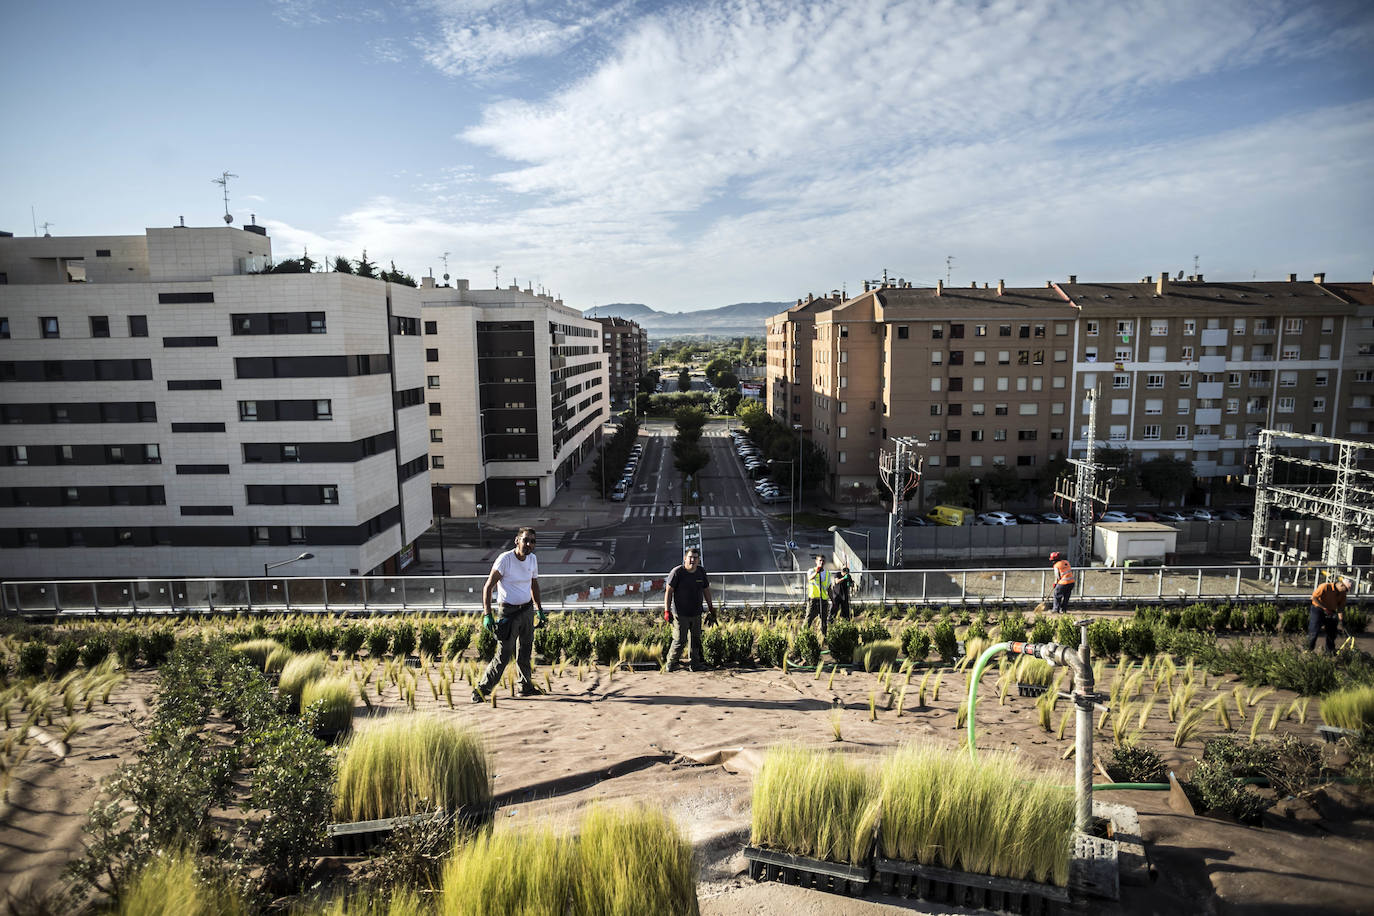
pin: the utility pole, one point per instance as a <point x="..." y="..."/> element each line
<point x="901" y="471"/>
<point x="1080" y="489"/>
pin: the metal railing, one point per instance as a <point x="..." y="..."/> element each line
<point x="626" y="591"/>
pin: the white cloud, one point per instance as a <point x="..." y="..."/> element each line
<point x="480" y="38"/>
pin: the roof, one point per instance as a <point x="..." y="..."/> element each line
<point x="1188" y="297"/>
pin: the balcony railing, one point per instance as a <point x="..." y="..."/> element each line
<point x="626" y="591"/>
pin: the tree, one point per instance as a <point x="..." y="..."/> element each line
<point x="343" y="266"/>
<point x="690" y="422"/>
<point x="648" y="382"/>
<point x="689" y="457"/>
<point x="398" y="276"/>
<point x="955" y="489"/>
<point x="366" y="268"/>
<point x="1167" y="478"/>
<point x="1004" y="485"/>
<point x="725" y="400"/>
<point x="642" y="402"/>
<point x="754" y="416"/>
<point x="1049" y="474"/>
<point x="684" y="379"/>
<point x="725" y="381"/>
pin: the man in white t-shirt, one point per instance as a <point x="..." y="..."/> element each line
<point x="515" y="580"/>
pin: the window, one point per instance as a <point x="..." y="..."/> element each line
<point x="1288" y="379"/>
<point x="1090" y="354"/>
<point x="903" y="332"/>
<point x="431" y="354"/>
<point x="1154" y="406"/>
<point x="1121" y="406"/>
<point x="1023" y="358"/>
<point x="956" y="357"/>
<point x="1023" y="331"/>
<point x="1320" y="380"/>
<point x="936" y="410"/>
<point x="1149" y="431"/>
<point x="435" y="408"/>
<point x="980" y="330"/>
<point x="953" y="435"/>
<point x="999" y="409"/>
<point x="999" y="435"/>
<point x="1154" y="381"/>
<point x="100" y="326"/>
<point x="329" y="495"/>
<point x="979" y="357"/>
<point x="956" y="383"/>
<point x="436" y="461"/>
<point x="1181" y="431"/>
<point x="1189" y="327"/>
<point x="1184" y="406"/>
<point x="956" y="331"/>
<point x="1090" y="328"/>
<point x="324" y="409"/>
<point x="432" y="381"/>
<point x="1117" y="434"/>
<point x="1159" y="327"/>
<point x="1233" y="405"/>
<point x="1319" y="405"/>
<point x="1238" y="326"/>
<point x="1004" y="357"/>
<point x="1123" y="354"/>
<point x="935" y="384"/>
<point x="978" y="383"/>
<point x="1124" y="326"/>
<point x="248" y="410"/>
<point x="1026" y="435"/>
<point x="975" y="435"/>
<point x="1185" y="380"/>
<point x="1287" y="405"/>
<point x="1039" y="331"/>
<point x="1290" y="351"/>
<point x="1121" y="381"/>
<point x="1061" y="356"/>
<point x="1003" y="384"/>
<point x="436" y="435"/>
<point x="1292" y="325"/>
<point x="1028" y="409"/>
<point x="432" y="327"/>
<point x="937" y="357"/>
<point x="138" y="325"/>
<point x="1233" y="380"/>
<point x="937" y="332"/>
<point x="4" y="329"/>
<point x="1004" y="330"/>
<point x="1157" y="355"/>
<point x="935" y="435"/>
<point x="976" y="410"/>
<point x="48" y="327"/>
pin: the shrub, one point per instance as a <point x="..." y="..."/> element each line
<point x="548" y="642"/>
<point x="298" y="672"/>
<point x="806" y="645"/>
<point x="842" y="638"/>
<point x="378" y="640"/>
<point x="33" y="659"/>
<point x="976" y="630"/>
<point x="1137" y="639"/>
<point x="65" y="657"/>
<point x="1264" y="617"/>
<point x="296" y="636"/>
<point x="487" y="644"/>
<point x="739" y="645"/>
<point x="323" y="638"/>
<point x="1356" y="620"/>
<point x="874" y="655"/>
<point x="169" y="886"/>
<point x="577" y="645"/>
<point x="406" y="764"/>
<point x="813" y="803"/>
<point x="873" y="631"/>
<point x="328" y="704"/>
<point x="1294" y="620"/>
<point x="156" y="646"/>
<point x="459" y="642"/>
<point x="257" y="651"/>
<point x="1196" y="617"/>
<point x="1218" y="787"/>
<point x="1104" y="639"/>
<point x="606" y="640"/>
<point x="403" y="639"/>
<point x="1066" y="633"/>
<point x="1042" y="630"/>
<point x="1221" y="617"/>
<point x="916" y="643"/>
<point x="1133" y="762"/>
<point x="1306" y="673"/>
<point x="95" y="651"/>
<point x="1012" y="629"/>
<point x="351" y="640"/>
<point x="714" y="646"/>
<point x="126" y="648"/>
<point x="1351" y="708"/>
<point x="771" y="647"/>
<point x="946" y="642"/>
<point x="431" y="640"/>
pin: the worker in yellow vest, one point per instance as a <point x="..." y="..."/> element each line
<point x="818" y="595"/>
<point x="1063" y="582"/>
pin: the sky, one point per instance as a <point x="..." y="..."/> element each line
<point x="688" y="155"/>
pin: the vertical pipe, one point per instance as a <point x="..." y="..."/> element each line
<point x="1083" y="734"/>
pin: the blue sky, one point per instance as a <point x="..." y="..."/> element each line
<point x="688" y="155"/>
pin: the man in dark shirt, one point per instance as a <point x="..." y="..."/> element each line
<point x="687" y="588"/>
<point x="839" y="594"/>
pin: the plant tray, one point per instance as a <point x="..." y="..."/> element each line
<point x="358" y="837"/>
<point x="1331" y="734"/>
<point x="639" y="666"/>
<point x="801" y="871"/>
<point x="1031" y="690"/>
<point x="965" y="889"/>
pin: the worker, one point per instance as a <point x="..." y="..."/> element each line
<point x="818" y="595"/>
<point x="839" y="594"/>
<point x="515" y="580"/>
<point x="688" y="588"/>
<point x="1063" y="582"/>
<point x="1327" y="613"/>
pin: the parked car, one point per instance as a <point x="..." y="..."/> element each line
<point x="1115" y="517"/>
<point x="915" y="521"/>
<point x="775" y="498"/>
<point x="1231" y="515"/>
<point x="1203" y="515"/>
<point x="1169" y="515"/>
<point x="1143" y="516"/>
<point x="1054" y="518"/>
<point x="997" y="518"/>
<point x="618" y="494"/>
<point x="1028" y="518"/>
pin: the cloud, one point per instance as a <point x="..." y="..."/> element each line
<point x="484" y="38"/>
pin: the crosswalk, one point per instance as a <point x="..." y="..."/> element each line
<point x="662" y="511"/>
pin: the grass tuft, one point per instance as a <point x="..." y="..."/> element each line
<point x="335" y="696"/>
<point x="874" y="655"/>
<point x="300" y="671"/>
<point x="1351" y="708"/>
<point x="257" y="651"/>
<point x="408" y="763"/>
<point x="169" y="886"/>
<point x="814" y="803"/>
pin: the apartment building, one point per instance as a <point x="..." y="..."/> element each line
<point x="986" y="376"/>
<point x="516" y="389"/>
<point x="626" y="347"/>
<point x="170" y="411"/>
<point x="1356" y="393"/>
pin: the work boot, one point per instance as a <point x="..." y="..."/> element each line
<point x="478" y="696"/>
<point x="530" y="690"/>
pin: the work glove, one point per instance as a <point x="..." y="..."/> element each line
<point x="489" y="623"/>
<point x="711" y="618"/>
<point x="667" y="615"/>
<point x="540" y="618"/>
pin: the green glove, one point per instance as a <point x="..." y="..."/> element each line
<point x="540" y="618"/>
<point x="489" y="622"/>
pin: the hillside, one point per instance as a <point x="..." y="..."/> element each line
<point x="737" y="318"/>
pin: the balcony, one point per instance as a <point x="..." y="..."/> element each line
<point x="1209" y="390"/>
<point x="1211" y="364"/>
<point x="1206" y="443"/>
<point x="1204" y="469"/>
<point x="1214" y="337"/>
<point x="1207" y="416"/>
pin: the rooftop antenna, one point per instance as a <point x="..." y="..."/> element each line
<point x="949" y="262"/>
<point x="1195" y="265"/>
<point x="45" y="227"/>
<point x="223" y="182"/>
<point x="33" y="216"/>
<point x="496" y="273"/>
<point x="445" y="260"/>
<point x="1179" y="277"/>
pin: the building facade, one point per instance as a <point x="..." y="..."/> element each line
<point x="516" y="385"/>
<point x="171" y="411"/>
<point x="626" y="347"/>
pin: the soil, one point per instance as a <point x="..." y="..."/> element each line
<point x="691" y="742"/>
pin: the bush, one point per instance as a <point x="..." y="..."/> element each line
<point x="378" y="640"/>
<point x="1264" y="618"/>
<point x="352" y="639"/>
<point x="33" y="659"/>
<point x="771" y="648"/>
<point x="916" y="643"/>
<point x="323" y="638"/>
<point x="1137" y="639"/>
<point x="1012" y="629"/>
<point x="459" y="642"/>
<point x="126" y="648"/>
<point x="1042" y="631"/>
<point x="548" y="642"/>
<point x="406" y="764"/>
<point x="1218" y="792"/>
<point x="1104" y="639"/>
<point x="295" y="636"/>
<point x="946" y="642"/>
<point x="976" y="630"/>
<point x="432" y="640"/>
<point x="873" y="631"/>
<point x="606" y="640"/>
<point x="842" y="638"/>
<point x="739" y="645"/>
<point x="1196" y="617"/>
<point x="487" y="645"/>
<point x="65" y="657"/>
<point x="1306" y="673"/>
<point x="1356" y="620"/>
<point x="714" y="646"/>
<point x="1294" y="620"/>
<point x="1136" y="763"/>
<point x="96" y="650"/>
<point x="156" y="646"/>
<point x="403" y="639"/>
<point x="806" y="645"/>
<point x="1066" y="633"/>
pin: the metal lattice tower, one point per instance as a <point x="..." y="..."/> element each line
<point x="1338" y="492"/>
<point x="1080" y="489"/>
<point x="901" y="472"/>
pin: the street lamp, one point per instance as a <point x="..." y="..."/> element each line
<point x="836" y="529"/>
<point x="855" y="500"/>
<point x="791" y="495"/>
<point x="800" y="465"/>
<point x="479" y="525"/>
<point x="269" y="566"/>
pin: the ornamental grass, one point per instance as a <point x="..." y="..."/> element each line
<point x="401" y="901"/>
<point x="300" y="671"/>
<point x="408" y="764"/>
<point x="277" y="659"/>
<point x="873" y="655"/>
<point x="1033" y="671"/>
<point x="508" y="871"/>
<point x="814" y="803"/>
<point x="1351" y="708"/>
<point x="257" y="651"/>
<point x="636" y="652"/>
<point x="169" y="886"/>
<point x="335" y="696"/>
<point x="988" y="815"/>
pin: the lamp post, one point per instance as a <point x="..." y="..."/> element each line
<point x="791" y="495"/>
<point x="270" y="566"/>
<point x="800" y="466"/>
<point x="836" y="529"/>
<point x="855" y="500"/>
<point x="479" y="525"/>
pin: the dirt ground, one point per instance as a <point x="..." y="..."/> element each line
<point x="691" y="742"/>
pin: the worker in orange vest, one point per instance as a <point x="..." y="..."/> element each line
<point x="1063" y="583"/>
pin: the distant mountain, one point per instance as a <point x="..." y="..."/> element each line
<point x="737" y="319"/>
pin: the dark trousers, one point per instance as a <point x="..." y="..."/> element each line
<point x="1062" y="593"/>
<point x="686" y="631"/>
<point x="1318" y="620"/>
<point x="818" y="609"/>
<point x="518" y="642"/>
<point x="839" y="606"/>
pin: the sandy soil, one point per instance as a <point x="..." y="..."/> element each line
<point x="692" y="741"/>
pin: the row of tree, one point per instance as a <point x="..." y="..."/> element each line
<point x="362" y="267"/>
<point x="1166" y="479"/>
<point x="689" y="457"/>
<point x="614" y="454"/>
<point x="779" y="443"/>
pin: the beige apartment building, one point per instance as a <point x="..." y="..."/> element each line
<point x="987" y="376"/>
<point x="1356" y="393"/>
<point x="626" y="346"/>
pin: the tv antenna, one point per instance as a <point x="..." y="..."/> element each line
<point x="1179" y="277"/>
<point x="496" y="276"/>
<point x="45" y="227"/>
<point x="1195" y="265"/>
<point x="949" y="262"/>
<point x="445" y="260"/>
<point x="223" y="182"/>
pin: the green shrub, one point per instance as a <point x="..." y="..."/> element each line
<point x="976" y="630"/>
<point x="65" y="657"/>
<point x="351" y="640"/>
<point x="298" y="672"/>
<point x="1104" y="638"/>
<point x="1263" y="618"/>
<point x="95" y="651"/>
<point x="1294" y="620"/>
<point x="873" y="631"/>
<point x="606" y="640"/>
<point x="842" y="638"/>
<point x="916" y="643"/>
<point x="946" y="642"/>
<point x="739" y="645"/>
<point x="407" y="764"/>
<point x="714" y="646"/>
<point x="156" y="645"/>
<point x="1134" y="762"/>
<point x="1306" y="673"/>
<point x="806" y="645"/>
<point x="431" y="640"/>
<point x="378" y="640"/>
<point x="1012" y="629"/>
<point x="1042" y="630"/>
<point x="1356" y="620"/>
<point x="873" y="655"/>
<point x="1221" y="617"/>
<point x="548" y="642"/>
<point x="126" y="646"/>
<point x="1351" y="708"/>
<point x="1137" y="639"/>
<point x="577" y="644"/>
<point x="1066" y="633"/>
<point x="487" y="645"/>
<point x="328" y="704"/>
<point x="459" y="642"/>
<point x="771" y="647"/>
<point x="1196" y="617"/>
<point x="33" y="659"/>
<point x="403" y="639"/>
<point x="1216" y="781"/>
<point x="295" y="636"/>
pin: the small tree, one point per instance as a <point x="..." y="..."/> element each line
<point x="1003" y="484"/>
<point x="343" y="266"/>
<point x="955" y="489"/>
<point x="366" y="268"/>
<point x="684" y="379"/>
<point x="1166" y="478"/>
<point x="689" y="457"/>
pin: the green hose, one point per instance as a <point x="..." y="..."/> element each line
<point x="978" y="667"/>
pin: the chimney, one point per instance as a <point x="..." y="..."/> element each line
<point x="1319" y="278"/>
<point x="1049" y="284"/>
<point x="939" y="287"/>
<point x="427" y="282"/>
<point x="1292" y="278"/>
<point x="973" y="285"/>
<point x="1001" y="287"/>
<point x="1073" y="278"/>
<point x="1199" y="278"/>
<point x="1150" y="278"/>
<point x="1159" y="285"/>
<point x="865" y="286"/>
